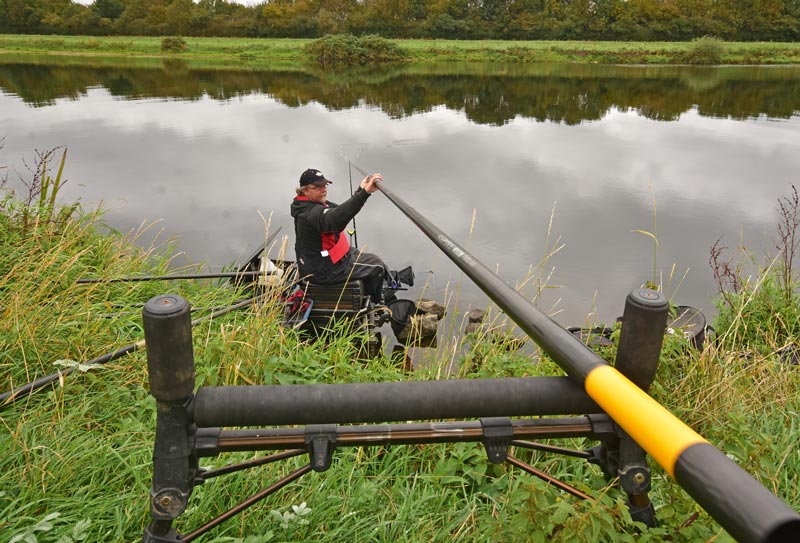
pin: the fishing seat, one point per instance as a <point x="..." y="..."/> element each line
<point x="342" y="302"/>
<point x="337" y="298"/>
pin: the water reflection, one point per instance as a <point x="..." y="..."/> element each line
<point x="206" y="151"/>
<point x="488" y="94"/>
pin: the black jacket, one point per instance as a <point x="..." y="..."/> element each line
<point x="320" y="237"/>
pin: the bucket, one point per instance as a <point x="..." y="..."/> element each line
<point x="410" y="326"/>
<point x="691" y="324"/>
<point x="592" y="337"/>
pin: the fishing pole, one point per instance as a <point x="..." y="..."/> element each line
<point x="189" y="276"/>
<point x="362" y="172"/>
<point x="135" y="278"/>
<point x="741" y="505"/>
<point x="7" y="398"/>
<point x="355" y="230"/>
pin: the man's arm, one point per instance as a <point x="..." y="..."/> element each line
<point x="335" y="219"/>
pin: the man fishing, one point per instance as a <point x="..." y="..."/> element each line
<point x="321" y="245"/>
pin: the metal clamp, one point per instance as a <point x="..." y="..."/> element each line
<point x="168" y="503"/>
<point x="171" y="536"/>
<point x="635" y="479"/>
<point x="497" y="434"/>
<point x="206" y="441"/>
<point x="320" y="440"/>
<point x="634" y="473"/>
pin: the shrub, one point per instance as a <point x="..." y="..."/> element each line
<point x="349" y="50"/>
<point x="173" y="44"/>
<point x="90" y="44"/>
<point x="705" y="50"/>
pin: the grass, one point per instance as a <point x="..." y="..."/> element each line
<point x="77" y="454"/>
<point x="275" y="52"/>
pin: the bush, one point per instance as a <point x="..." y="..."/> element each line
<point x="90" y="44"/>
<point x="349" y="50"/>
<point x="173" y="44"/>
<point x="705" y="50"/>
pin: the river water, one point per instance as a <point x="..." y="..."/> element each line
<point x="513" y="162"/>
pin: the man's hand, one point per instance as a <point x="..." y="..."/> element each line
<point x="368" y="183"/>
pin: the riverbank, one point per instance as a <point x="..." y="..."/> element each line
<point x="289" y="52"/>
<point x="77" y="454"/>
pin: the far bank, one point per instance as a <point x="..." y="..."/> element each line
<point x="273" y="52"/>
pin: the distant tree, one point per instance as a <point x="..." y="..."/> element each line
<point x="108" y="9"/>
<point x="53" y="16"/>
<point x="768" y="20"/>
<point x="793" y="9"/>
<point x="450" y="19"/>
<point x="447" y="19"/>
<point x="332" y="15"/>
<point x="178" y="17"/>
<point x="288" y="18"/>
<point x="84" y="20"/>
<point x="132" y="19"/>
<point x="388" y="18"/>
<point x="23" y="16"/>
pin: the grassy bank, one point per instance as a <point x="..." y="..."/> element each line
<point x="289" y="52"/>
<point x="77" y="455"/>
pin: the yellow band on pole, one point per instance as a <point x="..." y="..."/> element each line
<point x="649" y="423"/>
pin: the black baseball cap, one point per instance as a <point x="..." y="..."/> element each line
<point x="313" y="177"/>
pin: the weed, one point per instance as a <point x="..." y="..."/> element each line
<point x="653" y="236"/>
<point x="758" y="309"/>
<point x="349" y="50"/>
<point x="787" y="242"/>
<point x="173" y="44"/>
<point x="705" y="50"/>
<point x="725" y="273"/>
<point x="39" y="203"/>
<point x="89" y="44"/>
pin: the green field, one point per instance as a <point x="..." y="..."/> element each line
<point x="283" y="52"/>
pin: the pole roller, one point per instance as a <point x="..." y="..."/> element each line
<point x="170" y="359"/>
<point x="264" y="405"/>
<point x="643" y="324"/>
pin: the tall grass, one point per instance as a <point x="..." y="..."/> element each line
<point x="76" y="462"/>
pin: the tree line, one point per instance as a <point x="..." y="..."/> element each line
<point x="569" y="97"/>
<point x="629" y="20"/>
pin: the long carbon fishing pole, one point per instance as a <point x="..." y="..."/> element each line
<point x="745" y="508"/>
<point x="135" y="278"/>
<point x="216" y="275"/>
<point x="7" y="398"/>
<point x="355" y="230"/>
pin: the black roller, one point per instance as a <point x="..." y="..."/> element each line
<point x="170" y="360"/>
<point x="384" y="402"/>
<point x="643" y="324"/>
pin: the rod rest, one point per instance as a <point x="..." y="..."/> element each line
<point x="386" y="402"/>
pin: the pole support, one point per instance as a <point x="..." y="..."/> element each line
<point x="170" y="365"/>
<point x="644" y="322"/>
